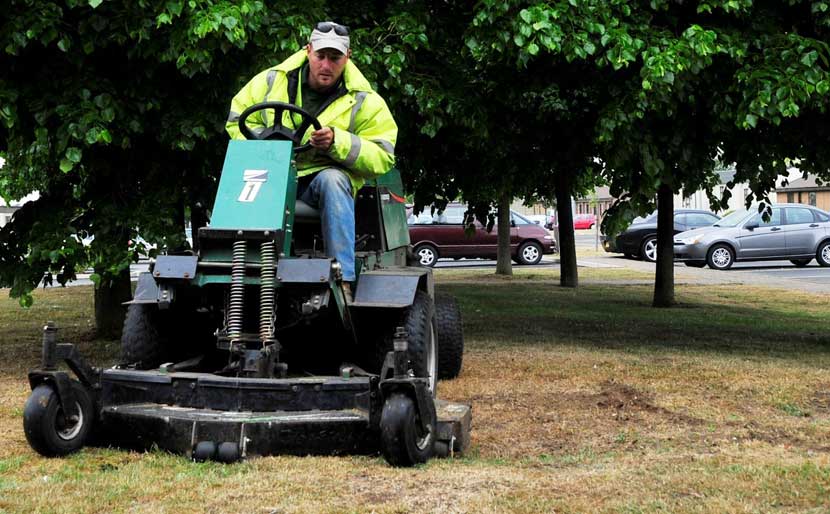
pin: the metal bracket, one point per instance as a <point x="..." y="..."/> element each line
<point x="175" y="266"/>
<point x="166" y="295"/>
<point x="417" y="389"/>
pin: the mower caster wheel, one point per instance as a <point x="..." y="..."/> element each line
<point x="227" y="453"/>
<point x="403" y="442"/>
<point x="205" y="450"/>
<point x="48" y="431"/>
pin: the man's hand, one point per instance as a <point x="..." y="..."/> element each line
<point x="322" y="139"/>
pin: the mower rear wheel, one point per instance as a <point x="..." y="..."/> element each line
<point x="145" y="337"/>
<point x="450" y="336"/>
<point x="419" y="321"/>
<point x="403" y="441"/>
<point x="47" y="429"/>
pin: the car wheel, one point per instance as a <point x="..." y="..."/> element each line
<point x="823" y="253"/>
<point x="720" y="257"/>
<point x="695" y="264"/>
<point x="800" y="263"/>
<point x="427" y="255"/>
<point x="591" y="226"/>
<point x="648" y="251"/>
<point x="530" y="253"/>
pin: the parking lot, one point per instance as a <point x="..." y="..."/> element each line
<point x="781" y="274"/>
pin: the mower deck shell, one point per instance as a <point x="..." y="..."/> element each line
<point x="295" y="416"/>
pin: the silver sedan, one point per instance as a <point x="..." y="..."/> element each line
<point x="796" y="232"/>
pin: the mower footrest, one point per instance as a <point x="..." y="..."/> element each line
<point x="180" y="429"/>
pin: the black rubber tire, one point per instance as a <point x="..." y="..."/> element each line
<point x="646" y="244"/>
<point x="800" y="263"/>
<point x="204" y="451"/>
<point x="695" y="264"/>
<point x="419" y="322"/>
<point x="530" y="252"/>
<point x="823" y="254"/>
<point x="43" y="421"/>
<point x="426" y="255"/>
<point x="716" y="263"/>
<point x="145" y="337"/>
<point x="403" y="443"/>
<point x="450" y="335"/>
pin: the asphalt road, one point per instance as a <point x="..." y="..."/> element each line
<point x="812" y="273"/>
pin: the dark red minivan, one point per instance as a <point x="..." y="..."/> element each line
<point x="439" y="235"/>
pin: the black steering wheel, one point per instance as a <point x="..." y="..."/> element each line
<point x="277" y="130"/>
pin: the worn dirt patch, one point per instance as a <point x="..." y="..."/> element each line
<point x="627" y="400"/>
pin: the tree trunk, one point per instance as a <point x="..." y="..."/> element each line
<point x="504" y="266"/>
<point x="109" y="311"/>
<point x="664" y="271"/>
<point x="568" y="276"/>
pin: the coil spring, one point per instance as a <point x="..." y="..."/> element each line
<point x="237" y="304"/>
<point x="267" y="292"/>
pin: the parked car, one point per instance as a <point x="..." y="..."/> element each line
<point x="640" y="239"/>
<point x="796" y="232"/>
<point x="551" y="222"/>
<point x="539" y="219"/>
<point x="443" y="235"/>
<point x="583" y="221"/>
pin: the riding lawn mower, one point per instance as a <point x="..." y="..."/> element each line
<point x="250" y="346"/>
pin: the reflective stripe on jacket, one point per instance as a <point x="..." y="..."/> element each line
<point x="364" y="130"/>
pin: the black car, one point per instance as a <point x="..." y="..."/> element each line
<point x="640" y="239"/>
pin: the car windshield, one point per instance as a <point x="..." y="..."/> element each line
<point x="520" y="220"/>
<point x="648" y="219"/>
<point x="732" y="220"/>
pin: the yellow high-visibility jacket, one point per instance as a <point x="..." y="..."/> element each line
<point x="364" y="130"/>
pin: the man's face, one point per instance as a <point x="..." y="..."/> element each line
<point x="325" y="67"/>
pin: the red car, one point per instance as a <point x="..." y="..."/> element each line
<point x="443" y="235"/>
<point x="583" y="221"/>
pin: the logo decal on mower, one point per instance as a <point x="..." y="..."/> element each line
<point x="253" y="182"/>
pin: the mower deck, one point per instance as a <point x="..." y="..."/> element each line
<point x="322" y="415"/>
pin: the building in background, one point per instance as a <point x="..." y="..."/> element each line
<point x="595" y="203"/>
<point x="806" y="191"/>
<point x="740" y="191"/>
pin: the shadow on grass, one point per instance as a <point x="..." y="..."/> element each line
<point x="742" y="321"/>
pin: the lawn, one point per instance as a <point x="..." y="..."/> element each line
<point x="583" y="401"/>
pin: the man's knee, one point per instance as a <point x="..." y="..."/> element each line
<point x="334" y="179"/>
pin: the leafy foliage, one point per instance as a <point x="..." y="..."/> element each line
<point x="115" y="110"/>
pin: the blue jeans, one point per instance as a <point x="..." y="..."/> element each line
<point x="330" y="191"/>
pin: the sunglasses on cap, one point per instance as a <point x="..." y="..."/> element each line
<point x="328" y="26"/>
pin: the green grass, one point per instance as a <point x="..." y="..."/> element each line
<point x="583" y="401"/>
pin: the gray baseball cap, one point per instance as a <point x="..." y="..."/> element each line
<point x="328" y="34"/>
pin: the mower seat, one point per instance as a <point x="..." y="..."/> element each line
<point x="304" y="213"/>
